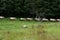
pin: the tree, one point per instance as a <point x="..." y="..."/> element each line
<point x="26" y="8"/>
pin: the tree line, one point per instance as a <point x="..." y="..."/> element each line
<point x="30" y="8"/>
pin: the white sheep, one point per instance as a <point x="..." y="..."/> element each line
<point x="30" y="19"/>
<point x="22" y="19"/>
<point x="12" y="18"/>
<point x="52" y="19"/>
<point x="44" y="19"/>
<point x="58" y="19"/>
<point x="24" y="26"/>
<point x="1" y="17"/>
<point x="37" y="19"/>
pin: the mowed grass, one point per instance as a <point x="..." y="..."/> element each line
<point x="14" y="30"/>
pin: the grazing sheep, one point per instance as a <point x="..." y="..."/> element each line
<point x="24" y="26"/>
<point x="37" y="19"/>
<point x="52" y="19"/>
<point x="12" y="18"/>
<point x="29" y="19"/>
<point x="58" y="19"/>
<point x="22" y="19"/>
<point x="1" y="17"/>
<point x="44" y="19"/>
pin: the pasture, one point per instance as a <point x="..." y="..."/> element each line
<point x="14" y="30"/>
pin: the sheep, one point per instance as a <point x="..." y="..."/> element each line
<point x="44" y="19"/>
<point x="12" y="18"/>
<point x="24" y="26"/>
<point x="52" y="19"/>
<point x="29" y="19"/>
<point x="37" y="19"/>
<point x="22" y="19"/>
<point x="58" y="19"/>
<point x="1" y="17"/>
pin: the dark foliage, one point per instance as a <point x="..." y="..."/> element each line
<point x="30" y="8"/>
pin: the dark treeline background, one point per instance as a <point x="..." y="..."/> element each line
<point x="30" y="8"/>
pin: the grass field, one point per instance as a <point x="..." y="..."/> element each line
<point x="14" y="30"/>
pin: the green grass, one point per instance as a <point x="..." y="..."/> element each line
<point x="13" y="30"/>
